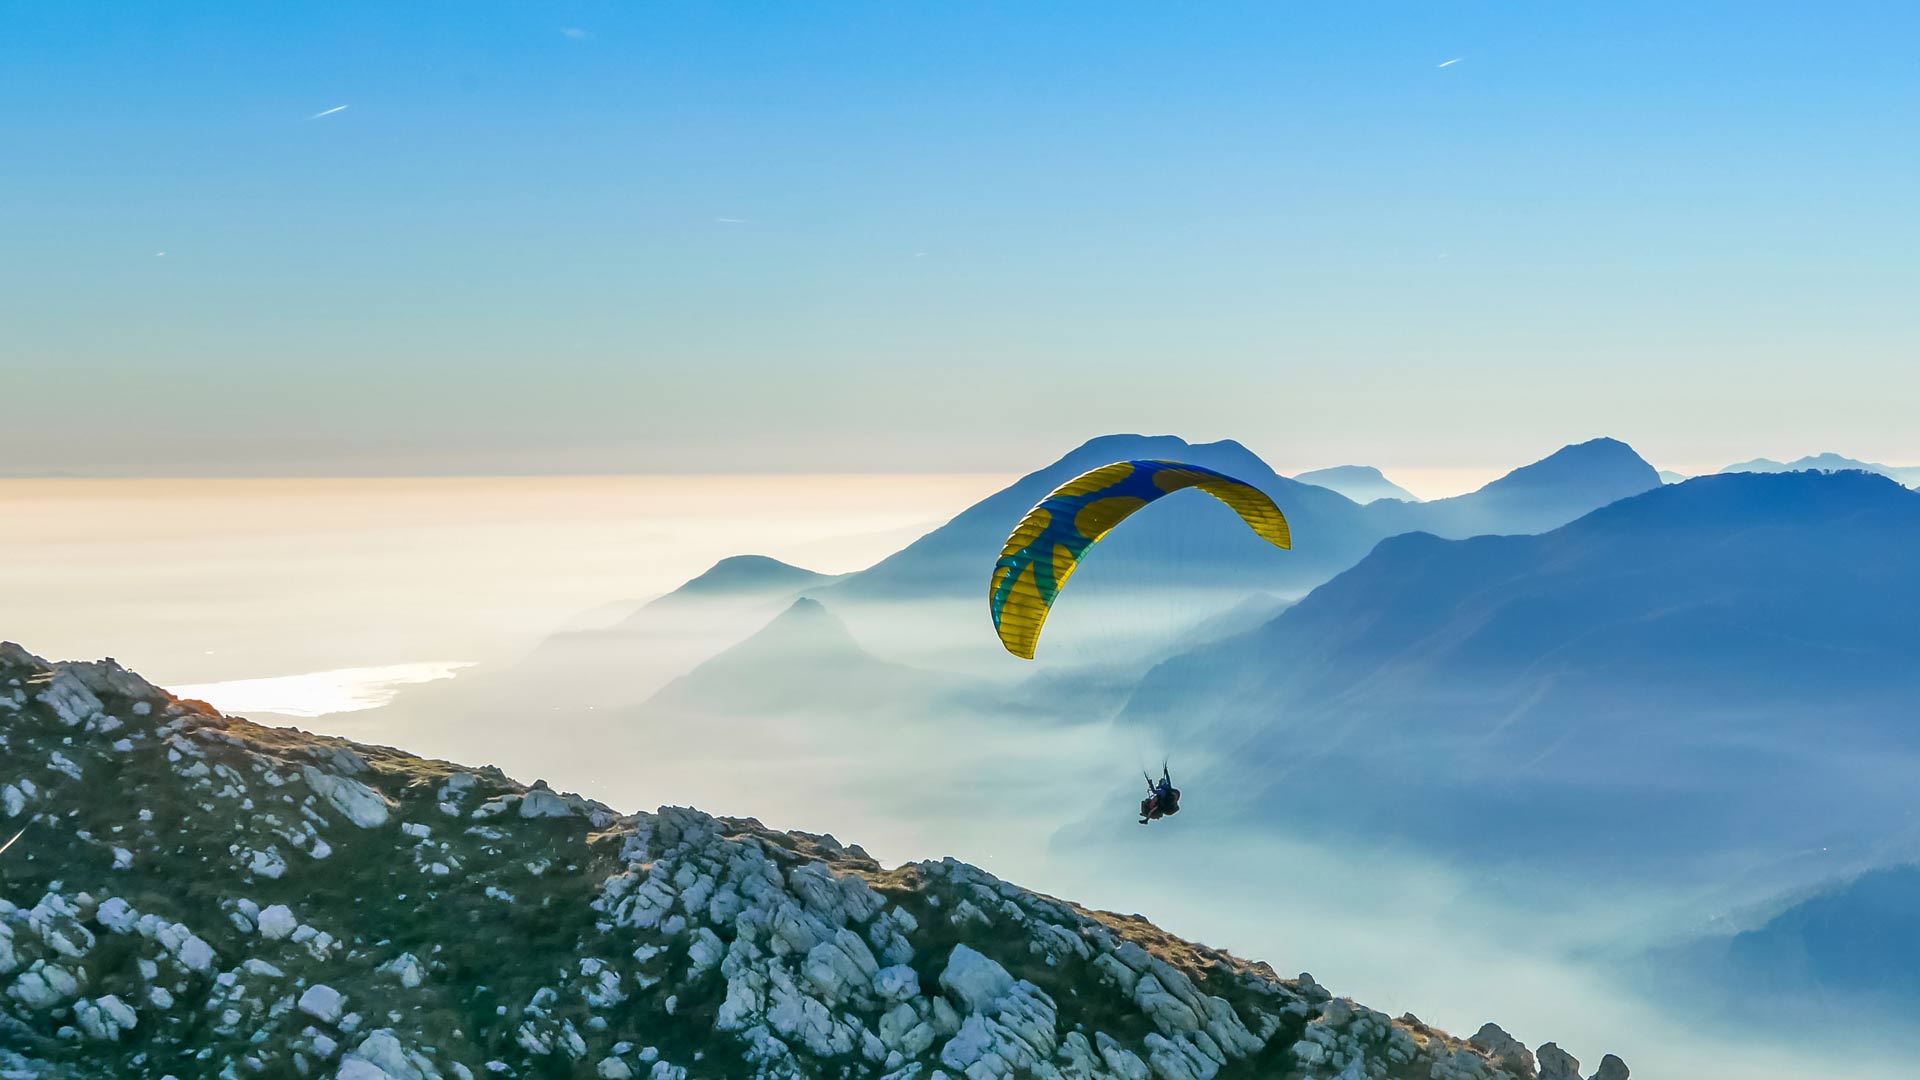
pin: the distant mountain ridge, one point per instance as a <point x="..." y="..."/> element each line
<point x="756" y="574"/>
<point x="1192" y="547"/>
<point x="1330" y="531"/>
<point x="954" y="559"/>
<point x="1829" y="462"/>
<point x="1361" y="483"/>
<point x="1861" y="938"/>
<point x="1844" y="955"/>
<point x="1549" y="493"/>
<point x="670" y="634"/>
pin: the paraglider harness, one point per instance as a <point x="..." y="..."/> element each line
<point x="1163" y="799"/>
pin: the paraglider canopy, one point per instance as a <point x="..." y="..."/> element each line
<point x="1054" y="536"/>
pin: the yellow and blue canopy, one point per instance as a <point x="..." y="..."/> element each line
<point x="1054" y="536"/>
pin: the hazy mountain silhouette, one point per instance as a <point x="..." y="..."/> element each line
<point x="1720" y="665"/>
<point x="1170" y="556"/>
<point x="806" y="632"/>
<point x="1544" y="495"/>
<point x="1249" y="614"/>
<point x="1862" y="938"/>
<point x="1828" y="462"/>
<point x="1842" y="954"/>
<point x="1330" y="531"/>
<point x="1361" y="483"/>
<point x="746" y="575"/>
<point x="1191" y="556"/>
<point x="670" y="634"/>
<point x="805" y="660"/>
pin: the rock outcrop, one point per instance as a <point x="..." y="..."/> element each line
<point x="196" y="895"/>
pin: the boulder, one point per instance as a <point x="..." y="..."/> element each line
<point x="974" y="979"/>
<point x="277" y="922"/>
<point x="1611" y="1068"/>
<point x="360" y="804"/>
<point x="322" y="1002"/>
<point x="1557" y="1064"/>
<point x="1505" y="1050"/>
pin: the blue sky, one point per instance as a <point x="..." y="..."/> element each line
<point x="839" y="237"/>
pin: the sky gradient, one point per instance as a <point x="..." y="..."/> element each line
<point x="829" y="238"/>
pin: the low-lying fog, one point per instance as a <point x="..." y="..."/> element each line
<point x="197" y="581"/>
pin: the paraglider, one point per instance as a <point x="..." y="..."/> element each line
<point x="1049" y="542"/>
<point x="1163" y="799"/>
<point x="1054" y="536"/>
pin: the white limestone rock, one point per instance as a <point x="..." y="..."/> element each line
<point x="195" y="955"/>
<point x="45" y="985"/>
<point x="360" y="804"/>
<point x="1163" y="1008"/>
<point x="973" y="979"/>
<point x="538" y="802"/>
<point x="267" y="864"/>
<point x="116" y="915"/>
<point x="97" y="1022"/>
<point x="896" y="983"/>
<point x="322" y="1002"/>
<point x="381" y="1054"/>
<point x="277" y="922"/>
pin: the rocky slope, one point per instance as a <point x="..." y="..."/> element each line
<point x="195" y="895"/>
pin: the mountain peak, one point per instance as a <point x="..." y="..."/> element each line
<point x="1361" y="483"/>
<point x="1600" y="461"/>
<point x="750" y="574"/>
<point x="1117" y="438"/>
<point x="808" y="610"/>
<point x="805" y="629"/>
<point x="805" y="660"/>
<point x="1561" y="487"/>
<point x="1125" y="446"/>
<point x="949" y="559"/>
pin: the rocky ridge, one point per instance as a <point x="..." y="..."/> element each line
<point x="195" y="895"/>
